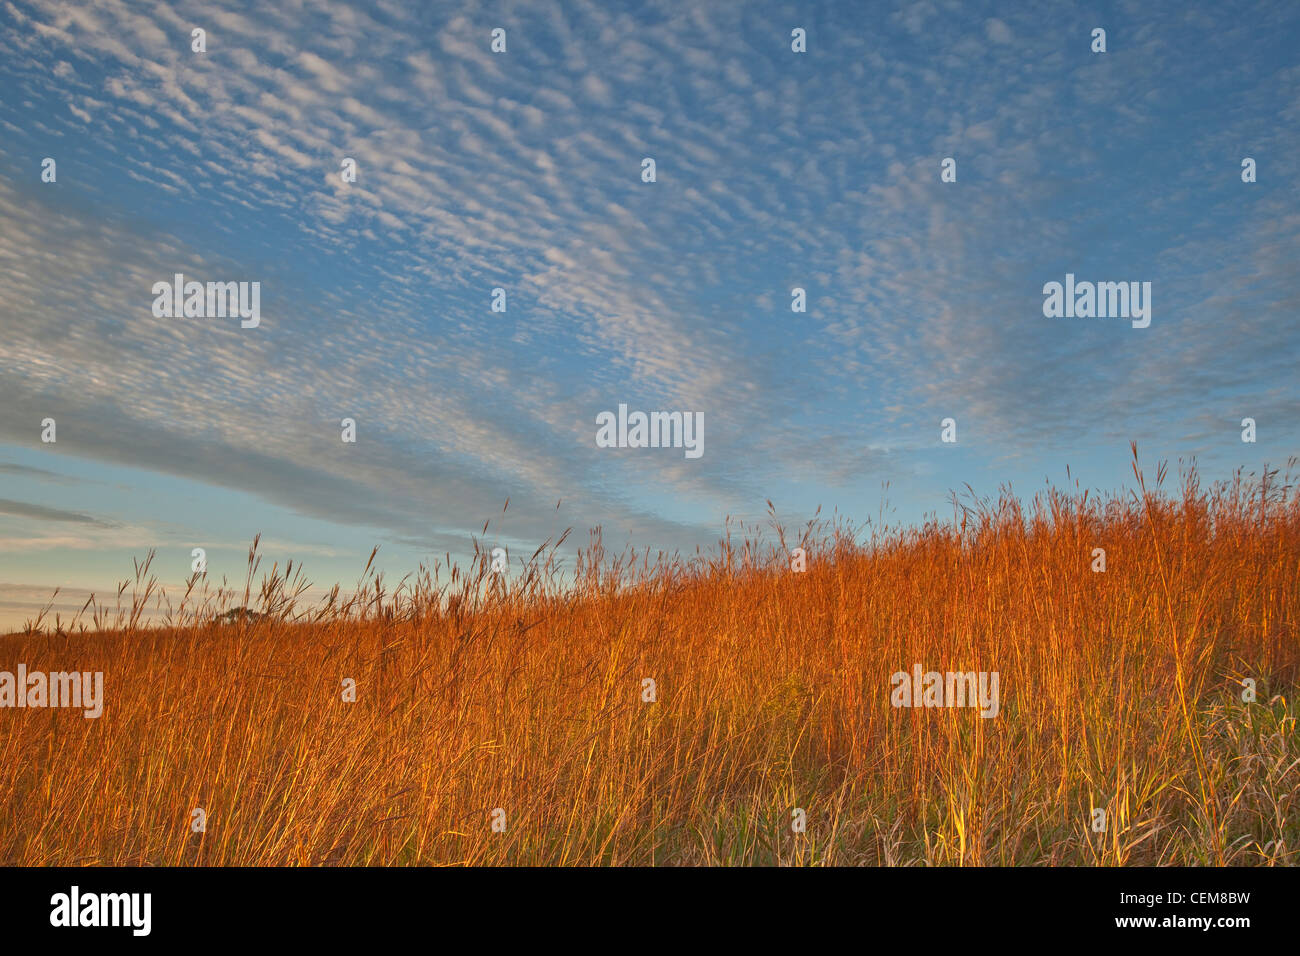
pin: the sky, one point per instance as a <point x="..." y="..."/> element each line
<point x="523" y="170"/>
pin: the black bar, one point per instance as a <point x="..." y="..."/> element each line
<point x="618" y="907"/>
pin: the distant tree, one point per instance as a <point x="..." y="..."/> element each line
<point x="239" y="614"/>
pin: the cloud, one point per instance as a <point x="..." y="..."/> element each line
<point x="522" y="171"/>
<point x="41" y="474"/>
<point x="25" y="509"/>
<point x="997" y="31"/>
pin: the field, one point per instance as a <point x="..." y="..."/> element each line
<point x="506" y="719"/>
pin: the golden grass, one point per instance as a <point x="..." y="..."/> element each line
<point x="1119" y="690"/>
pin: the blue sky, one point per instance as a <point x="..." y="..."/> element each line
<point x="522" y="170"/>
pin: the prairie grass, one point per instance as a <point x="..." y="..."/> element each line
<point x="1120" y="690"/>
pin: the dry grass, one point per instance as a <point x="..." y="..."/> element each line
<point x="1120" y="690"/>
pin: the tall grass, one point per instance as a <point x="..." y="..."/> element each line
<point x="1121" y="690"/>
